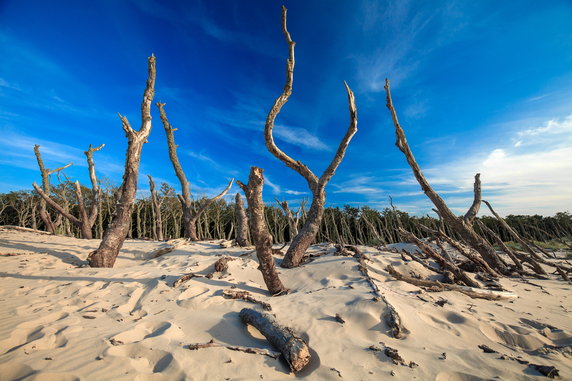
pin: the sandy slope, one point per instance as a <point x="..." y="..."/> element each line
<point x="59" y="321"/>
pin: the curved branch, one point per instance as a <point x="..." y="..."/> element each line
<point x="474" y="209"/>
<point x="297" y="166"/>
<point x="340" y="153"/>
<point x="211" y="200"/>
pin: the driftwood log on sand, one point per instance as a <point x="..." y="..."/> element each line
<point x="294" y="349"/>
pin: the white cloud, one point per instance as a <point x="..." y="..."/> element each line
<point x="300" y="137"/>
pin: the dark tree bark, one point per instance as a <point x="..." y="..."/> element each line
<point x="117" y="230"/>
<point x="466" y="231"/>
<point x="45" y="172"/>
<point x="158" y="220"/>
<point x="241" y="223"/>
<point x="190" y="216"/>
<point x="474" y="209"/>
<point x="262" y="239"/>
<point x="294" y="349"/>
<point x="317" y="186"/>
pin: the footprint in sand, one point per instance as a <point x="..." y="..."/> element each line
<point x="147" y="360"/>
<point x="146" y="330"/>
<point x="457" y="376"/>
<point x="513" y="336"/>
<point x="195" y="298"/>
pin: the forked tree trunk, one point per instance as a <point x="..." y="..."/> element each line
<point x="260" y="235"/>
<point x="158" y="220"/>
<point x="50" y="226"/>
<point x="310" y="229"/>
<point x="292" y="222"/>
<point x="463" y="229"/>
<point x="117" y="230"/>
<point x="189" y="218"/>
<point x="474" y="209"/>
<point x="241" y="223"/>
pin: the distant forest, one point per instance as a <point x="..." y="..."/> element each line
<point x="348" y="225"/>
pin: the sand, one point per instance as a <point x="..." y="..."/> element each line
<point x="60" y="321"/>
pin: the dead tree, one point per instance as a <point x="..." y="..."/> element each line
<point x="292" y="221"/>
<point x="462" y="228"/>
<point x="317" y="186"/>
<point x="260" y="235"/>
<point x="474" y="209"/>
<point x="190" y="216"/>
<point x="534" y="258"/>
<point x="45" y="172"/>
<point x="156" y="204"/>
<point x="85" y="221"/>
<point x="117" y="230"/>
<point x="241" y="223"/>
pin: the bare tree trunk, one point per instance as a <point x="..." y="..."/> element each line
<point x="45" y="172"/>
<point x="241" y="223"/>
<point x="116" y="232"/>
<point x="474" y="209"/>
<point x="309" y="230"/>
<point x="158" y="220"/>
<point x="189" y="218"/>
<point x="466" y="231"/>
<point x="262" y="239"/>
<point x="502" y="245"/>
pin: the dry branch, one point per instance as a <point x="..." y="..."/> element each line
<point x="185" y="278"/>
<point x="257" y="351"/>
<point x="247" y="296"/>
<point x="433" y="286"/>
<point x="293" y="348"/>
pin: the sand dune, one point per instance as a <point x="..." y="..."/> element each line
<point x="61" y="321"/>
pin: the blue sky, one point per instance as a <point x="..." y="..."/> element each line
<point x="479" y="86"/>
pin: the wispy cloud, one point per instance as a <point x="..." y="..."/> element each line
<point x="300" y="137"/>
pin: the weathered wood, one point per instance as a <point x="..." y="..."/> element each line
<point x="190" y="216"/>
<point x="247" y="296"/>
<point x="474" y="209"/>
<point x="116" y="232"/>
<point x="502" y="245"/>
<point x="292" y="222"/>
<point x="483" y="247"/>
<point x="260" y="235"/>
<point x="392" y="317"/>
<point x="309" y="230"/>
<point x="433" y="286"/>
<point x="257" y="351"/>
<point x="156" y="204"/>
<point x="45" y="172"/>
<point x="241" y="222"/>
<point x="459" y="274"/>
<point x="293" y="348"/>
<point x="222" y="264"/>
<point x="185" y="278"/>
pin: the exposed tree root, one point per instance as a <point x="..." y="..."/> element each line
<point x="257" y="351"/>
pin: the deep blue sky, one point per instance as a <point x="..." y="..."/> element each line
<point x="478" y="85"/>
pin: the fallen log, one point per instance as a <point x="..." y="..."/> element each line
<point x="293" y="348"/>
